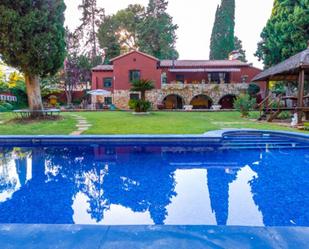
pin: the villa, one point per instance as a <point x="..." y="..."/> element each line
<point x="178" y="83"/>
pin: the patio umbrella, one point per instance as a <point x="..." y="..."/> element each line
<point x="99" y="92"/>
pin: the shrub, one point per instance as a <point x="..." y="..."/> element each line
<point x="278" y="88"/>
<point x="139" y="105"/>
<point x="306" y="126"/>
<point x="8" y="106"/>
<point x="5" y="107"/>
<point x="244" y="103"/>
<point x="276" y="105"/>
<point x="2" y="108"/>
<point x="284" y="115"/>
<point x="253" y="89"/>
<point x="254" y="115"/>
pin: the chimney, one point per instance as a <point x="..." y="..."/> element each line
<point x="234" y="55"/>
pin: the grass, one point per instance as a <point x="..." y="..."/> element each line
<point x="8" y="126"/>
<point x="126" y="123"/>
<point x="170" y="123"/>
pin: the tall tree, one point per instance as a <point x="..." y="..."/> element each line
<point x="92" y="17"/>
<point x="108" y="40"/>
<point x="157" y="34"/>
<point x="72" y="73"/>
<point x="128" y="21"/>
<point x="238" y="46"/>
<point x="286" y="32"/>
<point x="222" y="37"/>
<point x="119" y="33"/>
<point x="32" y="40"/>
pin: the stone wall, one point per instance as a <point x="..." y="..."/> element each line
<point x="186" y="91"/>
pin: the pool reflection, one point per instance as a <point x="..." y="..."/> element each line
<point x="154" y="185"/>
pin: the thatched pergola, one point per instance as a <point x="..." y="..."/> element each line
<point x="296" y="68"/>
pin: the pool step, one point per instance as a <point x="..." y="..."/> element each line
<point x="265" y="146"/>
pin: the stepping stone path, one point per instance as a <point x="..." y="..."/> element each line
<point x="82" y="125"/>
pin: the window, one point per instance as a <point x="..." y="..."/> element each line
<point x="107" y="82"/>
<point x="164" y="78"/>
<point x="219" y="78"/>
<point x="134" y="96"/>
<point x="108" y="100"/>
<point x="134" y="75"/>
<point x="180" y="78"/>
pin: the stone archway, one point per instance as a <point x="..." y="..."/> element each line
<point x="173" y="101"/>
<point x="227" y="101"/>
<point x="201" y="101"/>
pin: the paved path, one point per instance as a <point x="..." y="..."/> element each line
<point x="82" y="125"/>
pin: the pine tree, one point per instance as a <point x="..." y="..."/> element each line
<point x="238" y="46"/>
<point x="222" y="37"/>
<point x="286" y="32"/>
<point x="92" y="17"/>
<point x="32" y="40"/>
<point x="157" y="33"/>
<point x="157" y="7"/>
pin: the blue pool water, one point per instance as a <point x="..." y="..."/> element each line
<point x="248" y="180"/>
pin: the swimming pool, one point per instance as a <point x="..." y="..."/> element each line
<point x="239" y="179"/>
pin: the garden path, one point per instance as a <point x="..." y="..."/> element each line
<point x="82" y="125"/>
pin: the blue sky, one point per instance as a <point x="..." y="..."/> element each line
<point x="195" y="20"/>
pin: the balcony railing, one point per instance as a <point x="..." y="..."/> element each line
<point x="200" y="85"/>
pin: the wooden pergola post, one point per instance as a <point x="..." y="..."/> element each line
<point x="300" y="101"/>
<point x="267" y="94"/>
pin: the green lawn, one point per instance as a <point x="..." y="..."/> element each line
<point x="9" y="127"/>
<point x="126" y="123"/>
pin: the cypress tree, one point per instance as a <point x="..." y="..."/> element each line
<point x="222" y="37"/>
<point x="32" y="39"/>
<point x="286" y="32"/>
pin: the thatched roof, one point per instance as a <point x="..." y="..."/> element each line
<point x="286" y="70"/>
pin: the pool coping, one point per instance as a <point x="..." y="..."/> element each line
<point x="215" y="136"/>
<point x="150" y="236"/>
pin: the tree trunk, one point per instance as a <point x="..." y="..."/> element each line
<point x="34" y="94"/>
<point x="68" y="94"/>
<point x="143" y="95"/>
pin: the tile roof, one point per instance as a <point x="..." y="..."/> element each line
<point x="134" y="51"/>
<point x="103" y="68"/>
<point x="201" y="63"/>
<point x="291" y="66"/>
<point x="185" y="63"/>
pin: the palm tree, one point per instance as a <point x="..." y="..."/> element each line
<point x="142" y="86"/>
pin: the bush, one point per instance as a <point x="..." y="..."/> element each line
<point x="244" y="103"/>
<point x="5" y="107"/>
<point x="8" y="106"/>
<point x="254" y="115"/>
<point x="253" y="89"/>
<point x="276" y="105"/>
<point x="279" y="88"/>
<point x="284" y="115"/>
<point x="139" y="105"/>
<point x="2" y="108"/>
